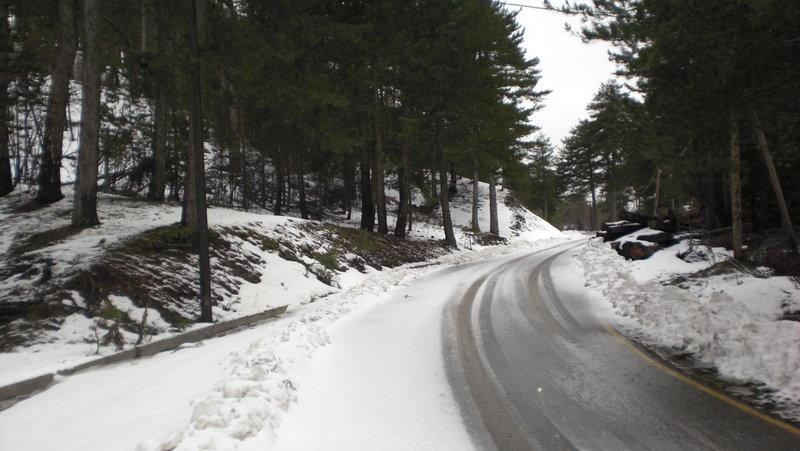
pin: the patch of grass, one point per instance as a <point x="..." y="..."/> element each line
<point x="111" y="312"/>
<point x="174" y="236"/>
<point x="329" y="259"/>
<point x="242" y="233"/>
<point x="360" y="241"/>
<point x="181" y="322"/>
<point x="487" y="239"/>
<point x="269" y="244"/>
<point x="253" y="237"/>
<point x="325" y="277"/>
<point x="44" y="239"/>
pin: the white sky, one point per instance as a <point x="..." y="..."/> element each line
<point x="571" y="69"/>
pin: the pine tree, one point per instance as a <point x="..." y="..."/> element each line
<point x="198" y="170"/>
<point x="56" y="119"/>
<point x="84" y="210"/>
<point x="6" y="183"/>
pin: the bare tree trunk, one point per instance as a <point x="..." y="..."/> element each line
<point x="444" y="201"/>
<point x="6" y="185"/>
<point x="476" y="227"/>
<point x="236" y="161"/>
<point x="262" y="181"/>
<point x="367" y="207"/>
<point x="196" y="130"/>
<point x="544" y="182"/>
<point x="242" y="155"/>
<point x="159" y="131"/>
<point x="56" y="119"/>
<point x="18" y="164"/>
<point x="612" y="198"/>
<point x="709" y="186"/>
<point x="379" y="188"/>
<point x="434" y="184"/>
<point x="410" y="210"/>
<point x="786" y="220"/>
<point x="658" y="191"/>
<point x="84" y="210"/>
<point x="159" y="149"/>
<point x="349" y="187"/>
<point x="301" y="186"/>
<point x="143" y="30"/>
<point x="736" y="188"/>
<point x="288" y="192"/>
<point x="322" y="193"/>
<point x="593" y="211"/>
<point x="494" y="223"/>
<point x="189" y="211"/>
<point x="403" y="201"/>
<point x="232" y="165"/>
<point x="452" y="189"/>
<point x="279" y="183"/>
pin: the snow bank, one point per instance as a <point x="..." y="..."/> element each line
<point x="729" y="322"/>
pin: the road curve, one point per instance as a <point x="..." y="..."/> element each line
<point x="535" y="369"/>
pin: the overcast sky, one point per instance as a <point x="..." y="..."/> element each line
<point x="571" y="69"/>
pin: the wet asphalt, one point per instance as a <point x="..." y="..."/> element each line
<point x="535" y="367"/>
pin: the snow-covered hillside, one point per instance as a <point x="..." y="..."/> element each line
<point x="69" y="294"/>
<point x="514" y="220"/>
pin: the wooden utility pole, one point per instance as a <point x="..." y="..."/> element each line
<point x="196" y="131"/>
<point x="736" y="188"/>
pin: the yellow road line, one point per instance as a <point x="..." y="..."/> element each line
<point x="707" y="390"/>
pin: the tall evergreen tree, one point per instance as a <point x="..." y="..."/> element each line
<point x="56" y="119"/>
<point x="6" y="183"/>
<point x="84" y="209"/>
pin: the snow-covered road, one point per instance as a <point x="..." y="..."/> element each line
<point x="382" y="382"/>
<point x="538" y="364"/>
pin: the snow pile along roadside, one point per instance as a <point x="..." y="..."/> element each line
<point x="246" y="407"/>
<point x="731" y="323"/>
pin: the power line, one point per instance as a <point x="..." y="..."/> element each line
<point x="565" y="11"/>
<point x="544" y="8"/>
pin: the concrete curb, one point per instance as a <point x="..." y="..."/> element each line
<point x="10" y="394"/>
